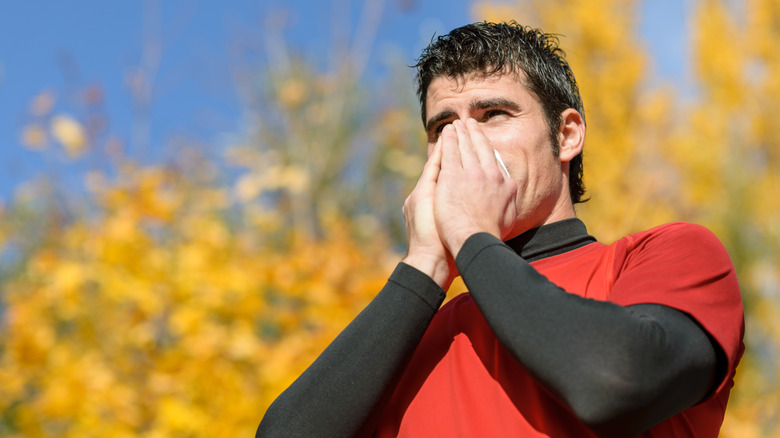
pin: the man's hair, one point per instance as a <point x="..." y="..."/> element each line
<point x="500" y="48"/>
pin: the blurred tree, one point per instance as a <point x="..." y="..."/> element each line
<point x="179" y="299"/>
<point x="155" y="318"/>
<point x="344" y="142"/>
<point x="729" y="159"/>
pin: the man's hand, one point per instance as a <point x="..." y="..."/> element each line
<point x="426" y="249"/>
<point x="472" y="193"/>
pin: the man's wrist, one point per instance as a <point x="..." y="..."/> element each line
<point x="457" y="240"/>
<point x="433" y="266"/>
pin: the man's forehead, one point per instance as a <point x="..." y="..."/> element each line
<point x="457" y="84"/>
<point x="460" y="81"/>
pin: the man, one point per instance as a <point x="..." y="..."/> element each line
<point x="559" y="335"/>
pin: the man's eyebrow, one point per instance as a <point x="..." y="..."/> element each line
<point x="497" y="102"/>
<point x="444" y="115"/>
<point x="493" y="103"/>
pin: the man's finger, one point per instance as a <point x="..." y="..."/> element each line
<point x="468" y="156"/>
<point x="480" y="143"/>
<point x="450" y="153"/>
<point x="432" y="167"/>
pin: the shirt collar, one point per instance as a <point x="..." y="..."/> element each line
<point x="551" y="239"/>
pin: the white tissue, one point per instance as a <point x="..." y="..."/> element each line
<point x="501" y="162"/>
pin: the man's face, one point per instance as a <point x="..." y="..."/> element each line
<point x="512" y="119"/>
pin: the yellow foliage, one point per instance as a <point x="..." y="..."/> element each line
<point x="721" y="59"/>
<point x="69" y="132"/>
<point x="112" y="329"/>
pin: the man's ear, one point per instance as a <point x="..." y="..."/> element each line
<point x="571" y="135"/>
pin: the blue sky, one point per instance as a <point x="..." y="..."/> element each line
<point x="59" y="45"/>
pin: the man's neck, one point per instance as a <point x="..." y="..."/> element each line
<point x="551" y="239"/>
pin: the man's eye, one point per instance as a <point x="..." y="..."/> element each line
<point x="493" y="113"/>
<point x="441" y="127"/>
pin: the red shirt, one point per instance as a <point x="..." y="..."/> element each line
<point x="462" y="382"/>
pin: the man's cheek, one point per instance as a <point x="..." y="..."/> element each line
<point x="517" y="165"/>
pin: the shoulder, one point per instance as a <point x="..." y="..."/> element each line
<point x="674" y="231"/>
<point x="680" y="239"/>
<point x="677" y="256"/>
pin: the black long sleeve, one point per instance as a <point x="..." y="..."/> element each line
<point x="620" y="369"/>
<point x="335" y="396"/>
